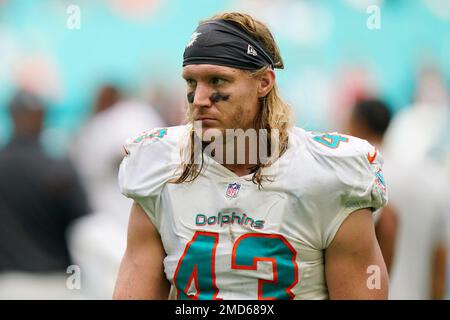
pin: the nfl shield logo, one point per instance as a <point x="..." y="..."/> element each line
<point x="233" y="190"/>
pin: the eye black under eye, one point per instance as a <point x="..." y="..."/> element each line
<point x="191" y="96"/>
<point x="217" y="97"/>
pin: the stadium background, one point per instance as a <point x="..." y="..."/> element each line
<point x="330" y="54"/>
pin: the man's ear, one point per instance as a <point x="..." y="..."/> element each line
<point x="266" y="83"/>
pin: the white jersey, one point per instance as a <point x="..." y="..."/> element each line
<point x="227" y="239"/>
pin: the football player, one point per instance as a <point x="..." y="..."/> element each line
<point x="296" y="223"/>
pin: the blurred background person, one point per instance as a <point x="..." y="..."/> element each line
<point x="417" y="252"/>
<point x="369" y="120"/>
<point x="426" y="122"/>
<point x="171" y="107"/>
<point x="418" y="142"/>
<point x="98" y="241"/>
<point x="419" y="269"/>
<point x="39" y="198"/>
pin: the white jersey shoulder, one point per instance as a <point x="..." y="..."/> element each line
<point x="345" y="175"/>
<point x="335" y="144"/>
<point x="150" y="162"/>
<point x="337" y="150"/>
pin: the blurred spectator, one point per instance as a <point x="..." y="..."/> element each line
<point x="426" y="122"/>
<point x="418" y="251"/>
<point x="369" y="120"/>
<point x="419" y="266"/>
<point x="418" y="141"/>
<point x="170" y="106"/>
<point x="39" y="198"/>
<point x="98" y="241"/>
<point x="107" y="96"/>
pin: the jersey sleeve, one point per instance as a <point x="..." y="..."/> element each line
<point x="150" y="162"/>
<point x="357" y="180"/>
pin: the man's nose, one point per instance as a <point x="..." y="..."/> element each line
<point x="202" y="96"/>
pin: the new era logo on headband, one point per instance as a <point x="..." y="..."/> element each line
<point x="252" y="51"/>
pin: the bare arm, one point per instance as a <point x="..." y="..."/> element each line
<point x="386" y="231"/>
<point x="141" y="274"/>
<point x="353" y="250"/>
<point x="439" y="280"/>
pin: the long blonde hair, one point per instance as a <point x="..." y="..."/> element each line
<point x="274" y="113"/>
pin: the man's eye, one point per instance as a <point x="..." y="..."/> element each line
<point x="217" y="81"/>
<point x="191" y="82"/>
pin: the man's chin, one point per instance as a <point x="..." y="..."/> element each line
<point x="209" y="123"/>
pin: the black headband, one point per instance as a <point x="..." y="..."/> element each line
<point x="224" y="43"/>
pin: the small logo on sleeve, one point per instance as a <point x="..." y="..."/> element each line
<point x="372" y="158"/>
<point x="380" y="180"/>
<point x="153" y="135"/>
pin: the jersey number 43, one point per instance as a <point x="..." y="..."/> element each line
<point x="197" y="265"/>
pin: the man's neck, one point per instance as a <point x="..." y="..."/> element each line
<point x="240" y="158"/>
<point x="242" y="152"/>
